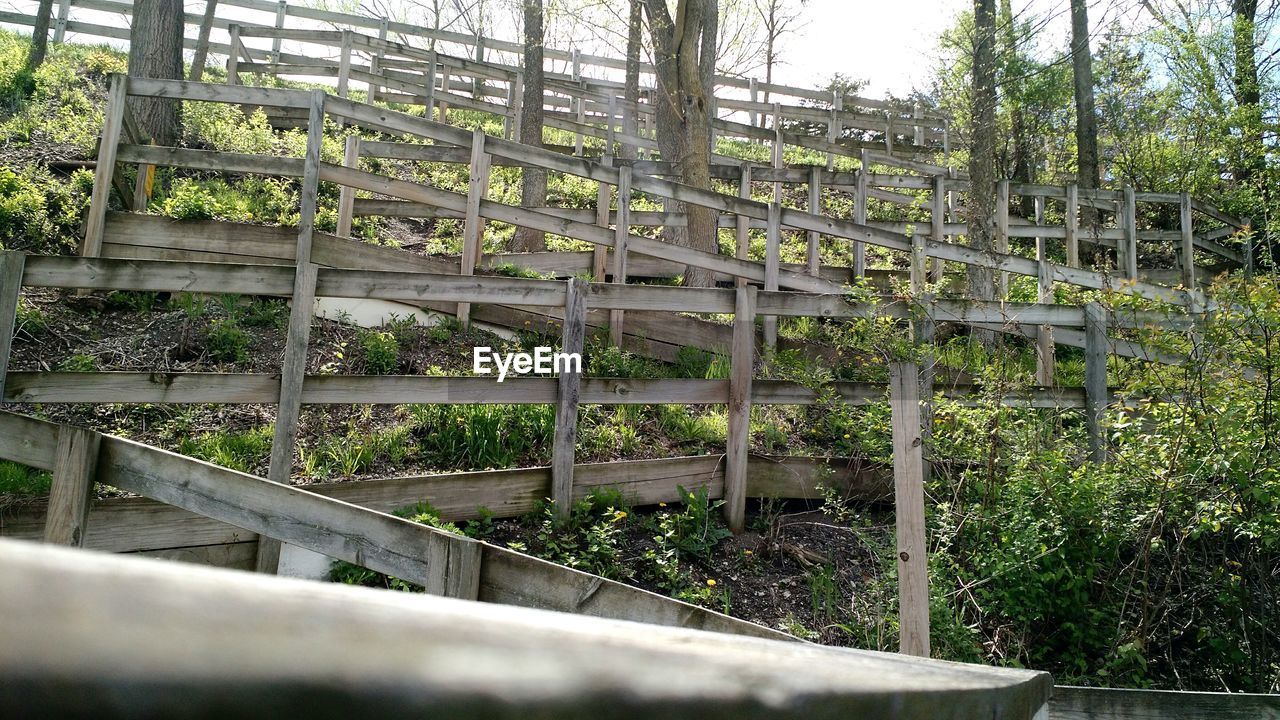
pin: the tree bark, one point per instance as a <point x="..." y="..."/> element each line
<point x="682" y="113"/>
<point x="155" y="51"/>
<point x="1251" y="163"/>
<point x="1014" y="85"/>
<point x="533" y="184"/>
<point x="1086" y="119"/>
<point x="40" y="35"/>
<point x="982" y="158"/>
<point x="631" y="84"/>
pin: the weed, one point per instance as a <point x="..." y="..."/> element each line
<point x="244" y="451"/>
<point x="18" y="479"/>
<point x="381" y="351"/>
<point x="226" y="341"/>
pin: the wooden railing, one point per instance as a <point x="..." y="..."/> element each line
<point x="229" y="640"/>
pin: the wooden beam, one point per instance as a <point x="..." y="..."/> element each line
<point x="568" y="387"/>
<point x="202" y="41"/>
<point x="859" y="260"/>
<point x="473" y="228"/>
<point x="12" y="264"/>
<point x="908" y="480"/>
<point x="1072" y="223"/>
<point x="772" y="263"/>
<point x="1129" y="223"/>
<point x="738" y="435"/>
<point x="599" y="253"/>
<point x="112" y="124"/>
<point x="346" y="194"/>
<point x="1188" y="253"/>
<point x="622" y="232"/>
<point x="812" y="255"/>
<point x="743" y="222"/>
<point x="298" y="332"/>
<point x="74" y="470"/>
<point x="1095" y="379"/>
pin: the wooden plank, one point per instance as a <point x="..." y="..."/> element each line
<point x="12" y="266"/>
<point x="1129" y="224"/>
<point x="293" y="637"/>
<point x="772" y="260"/>
<point x="622" y="232"/>
<point x="599" y="253"/>
<point x="908" y="480"/>
<point x="1072" y="224"/>
<point x="112" y="123"/>
<point x="568" y="386"/>
<point x="298" y="332"/>
<point x="1095" y="379"/>
<point x="347" y="195"/>
<point x="74" y="471"/>
<point x="742" y="223"/>
<point x="1083" y="703"/>
<point x="859" y="260"/>
<point x="1188" y="247"/>
<point x="815" y="207"/>
<point x="738" y="435"/>
<point x="473" y="227"/>
<point x="1045" y="353"/>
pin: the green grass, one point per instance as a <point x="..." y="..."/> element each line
<point x="18" y="479"/>
<point x="244" y="451"/>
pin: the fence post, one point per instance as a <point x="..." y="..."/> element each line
<point x="741" y="370"/>
<point x="751" y="88"/>
<point x="917" y="136"/>
<point x="202" y="40"/>
<point x="599" y="253"/>
<point x="1045" y="351"/>
<point x="1130" y="234"/>
<point x="917" y="267"/>
<point x="621" y="233"/>
<point x="282" y="10"/>
<point x="477" y="82"/>
<point x="344" y="63"/>
<point x="74" y="467"/>
<point x="515" y="100"/>
<point x="569" y="383"/>
<point x="375" y="62"/>
<point x="298" y="334"/>
<point x="1072" y="222"/>
<point x="430" y="101"/>
<point x="1095" y="378"/>
<point x="233" y="54"/>
<point x="1248" y="249"/>
<point x="1188" y="241"/>
<point x="834" y="128"/>
<point x="96" y="221"/>
<point x="1002" y="231"/>
<point x="580" y="114"/>
<point x="473" y="230"/>
<point x="347" y="194"/>
<point x="778" y="147"/>
<point x="11" y="268"/>
<point x="813" y="255"/>
<point x="743" y="222"/>
<point x="860" y="217"/>
<point x="773" y="241"/>
<point x="60" y="23"/>
<point x="908" y="486"/>
<point x="938" y="218"/>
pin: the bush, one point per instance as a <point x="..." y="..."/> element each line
<point x="226" y="341"/>
<point x="189" y="200"/>
<point x="381" y="351"/>
<point x="39" y="214"/>
<point x="244" y="451"/>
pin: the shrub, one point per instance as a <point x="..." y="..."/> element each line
<point x="79" y="363"/>
<point x="381" y="351"/>
<point x="244" y="451"/>
<point x="189" y="200"/>
<point x="38" y="213"/>
<point x="226" y="341"/>
<point x="18" y="479"/>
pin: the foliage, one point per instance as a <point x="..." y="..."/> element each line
<point x="18" y="479"/>
<point x="226" y="341"/>
<point x="37" y="213"/>
<point x="381" y="351"/>
<point x="476" y="437"/>
<point x="246" y="451"/>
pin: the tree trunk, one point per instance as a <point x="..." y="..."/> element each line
<point x="982" y="158"/>
<point x="155" y="51"/>
<point x="683" y="129"/>
<point x="1014" y="85"/>
<point x="533" y="185"/>
<point x="1086" y="120"/>
<point x="631" y="85"/>
<point x="40" y="35"/>
<point x="1251" y="162"/>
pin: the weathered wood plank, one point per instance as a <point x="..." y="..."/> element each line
<point x="12" y="266"/>
<point x="738" y="440"/>
<point x="1082" y="703"/>
<point x="908" y="480"/>
<point x="112" y="124"/>
<point x="74" y="470"/>
<point x="568" y="390"/>
<point x="1095" y="379"/>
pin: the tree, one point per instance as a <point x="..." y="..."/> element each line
<point x="155" y="51"/>
<point x="982" y="155"/>
<point x="778" y="17"/>
<point x="681" y="106"/>
<point x="533" y="185"/>
<point x="40" y="35"/>
<point x="1086" y="118"/>
<point x="631" y="83"/>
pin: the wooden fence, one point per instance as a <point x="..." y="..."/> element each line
<point x="228" y="640"/>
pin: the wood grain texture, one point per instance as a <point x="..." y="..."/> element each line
<point x="738" y="440"/>
<point x="908" y="480"/>
<point x="568" y="395"/>
<point x="74" y="470"/>
<point x="286" y="638"/>
<point x="1081" y="703"/>
<point x="12" y="265"/>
